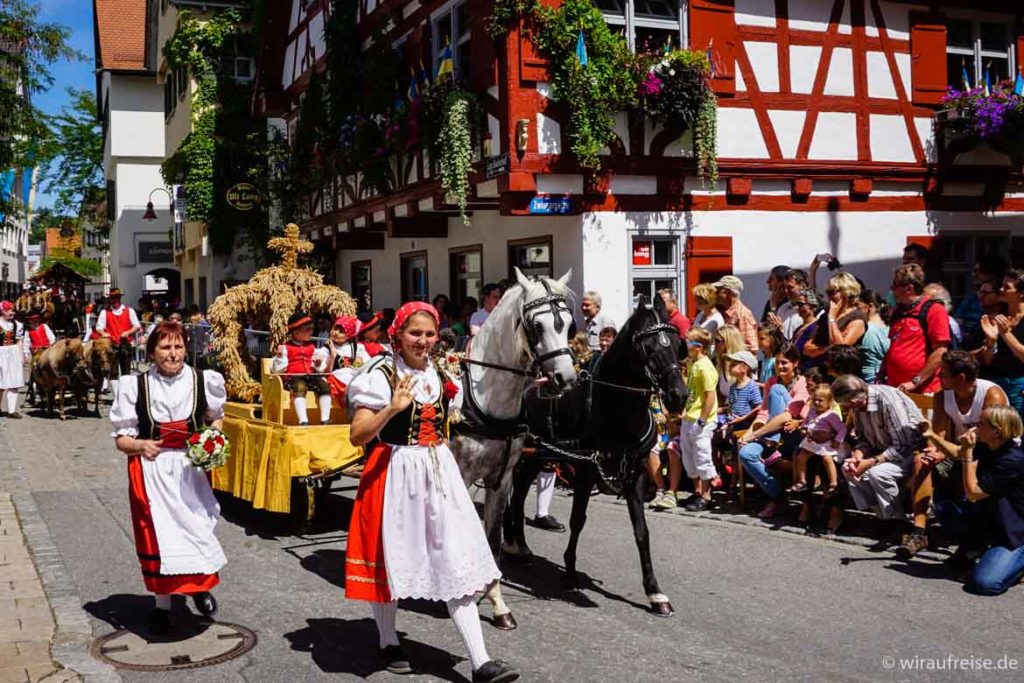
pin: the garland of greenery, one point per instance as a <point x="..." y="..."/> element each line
<point x="614" y="79"/>
<point x="194" y="46"/>
<point x="450" y="119"/>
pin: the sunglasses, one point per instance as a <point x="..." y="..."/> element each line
<point x="694" y="344"/>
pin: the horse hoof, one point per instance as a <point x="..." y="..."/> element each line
<point x="662" y="609"/>
<point x="505" y="622"/>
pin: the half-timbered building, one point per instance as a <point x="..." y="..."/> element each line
<point x="827" y="141"/>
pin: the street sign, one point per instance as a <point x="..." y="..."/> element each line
<point x="497" y="165"/>
<point x="156" y="252"/>
<point x="543" y="205"/>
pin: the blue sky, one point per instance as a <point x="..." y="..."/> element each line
<point x="77" y="16"/>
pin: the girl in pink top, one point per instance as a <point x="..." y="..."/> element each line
<point x="824" y="434"/>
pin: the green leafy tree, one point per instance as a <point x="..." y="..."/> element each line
<point x="28" y="47"/>
<point x="73" y="154"/>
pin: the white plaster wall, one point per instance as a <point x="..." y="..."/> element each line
<point x="755" y="13"/>
<point x="788" y="126"/>
<point x="739" y="136"/>
<point x="135" y="180"/>
<point x="840" y="72"/>
<point x="487" y="229"/>
<point x="764" y="60"/>
<point x="835" y="136"/>
<point x="890" y="139"/>
<point x="803" y="67"/>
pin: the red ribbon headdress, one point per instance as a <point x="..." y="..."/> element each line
<point x="403" y="313"/>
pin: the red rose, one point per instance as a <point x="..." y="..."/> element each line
<point x="219" y="440"/>
<point x="209" y="447"/>
<point x="194" y="439"/>
<point x="450" y="390"/>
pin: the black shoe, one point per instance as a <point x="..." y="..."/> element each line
<point x="159" y="622"/>
<point x="689" y="499"/>
<point x="699" y="504"/>
<point x="548" y="523"/>
<point x="495" y="671"/>
<point x="205" y="603"/>
<point x="395" y="660"/>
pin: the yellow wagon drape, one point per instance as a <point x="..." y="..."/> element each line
<point x="265" y="456"/>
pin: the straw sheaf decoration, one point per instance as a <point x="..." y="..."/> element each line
<point x="272" y="294"/>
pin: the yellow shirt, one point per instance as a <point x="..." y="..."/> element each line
<point x="702" y="377"/>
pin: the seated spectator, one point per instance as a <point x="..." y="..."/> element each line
<point x="918" y="335"/>
<point x="775" y="430"/>
<point x="727" y="340"/>
<point x="993" y="482"/>
<point x="887" y="425"/>
<point x="844" y="323"/>
<point x="955" y="409"/>
<point x="988" y="269"/>
<point x="769" y="341"/>
<point x="735" y="312"/>
<point x="789" y="315"/>
<point x="1004" y="340"/>
<point x="744" y="393"/>
<point x="992" y="305"/>
<point x="709" y="318"/>
<point x="842" y="359"/>
<point x="824" y="433"/>
<point x="875" y="342"/>
<point x="777" y="294"/>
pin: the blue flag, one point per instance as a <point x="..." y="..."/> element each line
<point x="711" y="57"/>
<point x="988" y="79"/>
<point x="963" y="75"/>
<point x="581" y="49"/>
<point x="413" y="92"/>
<point x="1018" y="85"/>
<point x="445" y="63"/>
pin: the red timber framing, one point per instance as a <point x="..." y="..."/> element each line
<point x="507" y="72"/>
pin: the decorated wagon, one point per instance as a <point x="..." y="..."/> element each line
<point x="276" y="464"/>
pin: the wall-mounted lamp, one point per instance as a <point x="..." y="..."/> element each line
<point x="522" y="134"/>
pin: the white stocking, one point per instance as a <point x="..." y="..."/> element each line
<point x="325" y="408"/>
<point x="114" y="383"/>
<point x="11" y="398"/>
<point x="467" y="623"/>
<point x="545" y="492"/>
<point x="163" y="601"/>
<point x="300" y="409"/>
<point x="384" y="614"/>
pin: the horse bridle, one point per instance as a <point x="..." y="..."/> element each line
<point x="637" y="340"/>
<point x="556" y="304"/>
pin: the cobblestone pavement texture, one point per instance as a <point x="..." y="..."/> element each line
<point x="752" y="601"/>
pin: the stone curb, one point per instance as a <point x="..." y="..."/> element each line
<point x="73" y="636"/>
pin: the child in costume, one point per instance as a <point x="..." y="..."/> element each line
<point x="304" y="366"/>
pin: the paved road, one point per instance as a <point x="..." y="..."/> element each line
<point x="751" y="602"/>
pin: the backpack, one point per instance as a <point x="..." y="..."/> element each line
<point x="922" y="320"/>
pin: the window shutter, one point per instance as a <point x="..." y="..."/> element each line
<point x="713" y="25"/>
<point x="928" y="57"/>
<point x="707" y="260"/>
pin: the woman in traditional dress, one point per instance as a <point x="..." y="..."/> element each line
<point x="415" y="532"/>
<point x="12" y="358"/>
<point x="173" y="508"/>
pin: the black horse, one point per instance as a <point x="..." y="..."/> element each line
<point x="604" y="426"/>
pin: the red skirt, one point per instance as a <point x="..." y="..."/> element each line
<point x="365" y="577"/>
<point x="148" y="549"/>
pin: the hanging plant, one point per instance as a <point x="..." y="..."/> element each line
<point x="450" y="121"/>
<point x="996" y="117"/>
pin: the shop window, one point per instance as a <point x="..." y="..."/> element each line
<point x="414" y="277"/>
<point x="465" y="274"/>
<point x="532" y="256"/>
<point x="362" y="288"/>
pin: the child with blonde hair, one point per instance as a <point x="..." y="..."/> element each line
<point x="824" y="432"/>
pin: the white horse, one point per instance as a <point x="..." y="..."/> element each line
<point x="526" y="332"/>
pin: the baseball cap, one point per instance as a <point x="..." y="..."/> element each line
<point x="730" y="282"/>
<point x="745" y="357"/>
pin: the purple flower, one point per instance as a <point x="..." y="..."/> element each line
<point x="652" y="85"/>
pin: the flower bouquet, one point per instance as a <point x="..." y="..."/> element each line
<point x="208" y="449"/>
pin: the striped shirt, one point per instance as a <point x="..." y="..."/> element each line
<point x="889" y="425"/>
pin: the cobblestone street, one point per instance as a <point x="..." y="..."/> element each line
<point x="752" y="601"/>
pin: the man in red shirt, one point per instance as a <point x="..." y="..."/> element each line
<point x="120" y="324"/>
<point x="675" y="316"/>
<point x="918" y="335"/>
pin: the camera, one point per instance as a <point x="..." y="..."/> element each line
<point x="833" y="263"/>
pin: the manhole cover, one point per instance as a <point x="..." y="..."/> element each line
<point x="187" y="647"/>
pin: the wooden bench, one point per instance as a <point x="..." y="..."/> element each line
<point x="277" y="401"/>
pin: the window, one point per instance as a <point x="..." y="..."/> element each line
<point x="647" y="24"/>
<point x="202" y="294"/>
<point x="181" y="77"/>
<point x="170" y="98"/>
<point x="533" y="256"/>
<point x="414" y="277"/>
<point x="236" y="62"/>
<point x="974" y="46"/>
<point x="959" y="253"/>
<point x="362" y="278"/>
<point x="655" y="265"/>
<point x="452" y="27"/>
<point x="466" y="276"/>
